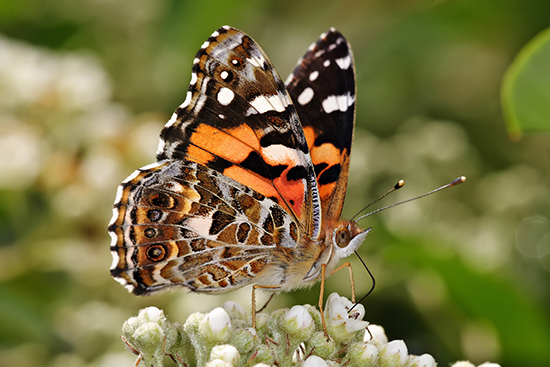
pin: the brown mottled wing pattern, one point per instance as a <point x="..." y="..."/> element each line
<point x="179" y="223"/>
<point x="234" y="180"/>
<point x="322" y="87"/>
<point x="238" y="119"/>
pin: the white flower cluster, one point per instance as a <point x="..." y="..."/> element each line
<point x="286" y="337"/>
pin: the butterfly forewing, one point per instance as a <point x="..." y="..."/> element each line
<point x="322" y="87"/>
<point x="238" y="119"/>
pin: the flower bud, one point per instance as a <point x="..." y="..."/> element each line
<point x="298" y="323"/>
<point x="375" y="334"/>
<point x="323" y="348"/>
<point x="425" y="360"/>
<point x="314" y="361"/>
<point x="150" y="333"/>
<point x="245" y="339"/>
<point x="235" y="310"/>
<point x="218" y="363"/>
<point x="216" y="326"/>
<point x="463" y="364"/>
<point x="394" y="353"/>
<point x="226" y="353"/>
<point x="362" y="354"/>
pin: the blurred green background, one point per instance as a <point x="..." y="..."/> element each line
<point x="86" y="86"/>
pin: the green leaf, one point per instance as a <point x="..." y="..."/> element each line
<point x="525" y="90"/>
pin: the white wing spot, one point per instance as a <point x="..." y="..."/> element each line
<point x="113" y="220"/>
<point x="338" y="103"/>
<point x="202" y="96"/>
<point x="264" y="103"/>
<point x="172" y="120"/>
<point x="162" y="145"/>
<point x="289" y="79"/>
<point x="196" y="61"/>
<point x="116" y="258"/>
<point x="279" y="154"/>
<point x="152" y="165"/>
<point x="306" y="96"/>
<point x="205" y="45"/>
<point x="132" y="176"/>
<point x="200" y="225"/>
<point x="199" y="104"/>
<point x="319" y="53"/>
<point x="326" y="63"/>
<point x="224" y="74"/>
<point x="344" y="62"/>
<point x="118" y="196"/>
<point x="221" y="116"/>
<point x="313" y="75"/>
<point x="332" y="47"/>
<point x="258" y="62"/>
<point x="187" y="100"/>
<point x="225" y="96"/>
<point x="193" y="79"/>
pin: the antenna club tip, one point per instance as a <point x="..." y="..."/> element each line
<point x="459" y="180"/>
<point x="399" y="184"/>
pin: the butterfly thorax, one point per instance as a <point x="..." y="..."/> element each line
<point x="300" y="267"/>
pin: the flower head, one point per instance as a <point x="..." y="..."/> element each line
<point x="340" y="321"/>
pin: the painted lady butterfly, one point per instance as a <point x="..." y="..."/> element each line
<point x="248" y="187"/>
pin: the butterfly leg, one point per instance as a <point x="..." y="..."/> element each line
<point x="321" y="296"/>
<point x="266" y="303"/>
<point x="254" y="287"/>
<point x="347" y="265"/>
<point x="322" y="292"/>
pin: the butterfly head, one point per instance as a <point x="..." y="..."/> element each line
<point x="347" y="238"/>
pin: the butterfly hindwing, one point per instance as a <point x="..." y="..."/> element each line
<point x="179" y="223"/>
<point x="238" y="119"/>
<point x="323" y="88"/>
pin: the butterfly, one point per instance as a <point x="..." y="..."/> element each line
<point x="250" y="178"/>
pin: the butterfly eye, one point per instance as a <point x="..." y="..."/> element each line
<point x="156" y="253"/>
<point x="342" y="237"/>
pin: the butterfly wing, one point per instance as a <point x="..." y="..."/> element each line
<point x="234" y="180"/>
<point x="238" y="119"/>
<point x="323" y="87"/>
<point x="179" y="223"/>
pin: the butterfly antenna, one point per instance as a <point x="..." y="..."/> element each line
<point x="397" y="186"/>
<point x="459" y="180"/>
